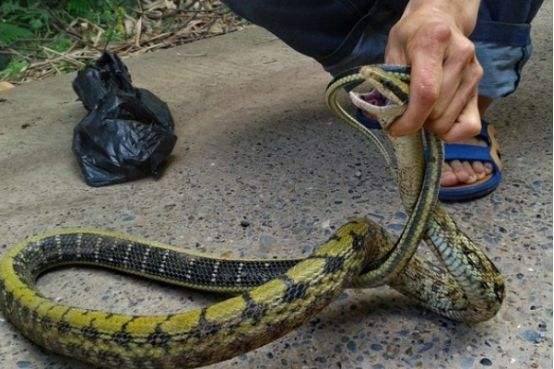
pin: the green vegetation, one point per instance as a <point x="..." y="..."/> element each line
<point x="35" y="30"/>
<point x="39" y="38"/>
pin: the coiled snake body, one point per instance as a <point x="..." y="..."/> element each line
<point x="271" y="297"/>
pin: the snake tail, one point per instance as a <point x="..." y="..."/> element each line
<point x="252" y="318"/>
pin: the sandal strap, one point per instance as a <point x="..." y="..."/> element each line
<point x="465" y="152"/>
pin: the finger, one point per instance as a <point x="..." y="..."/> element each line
<point x="426" y="54"/>
<point x="459" y="55"/>
<point x="468" y="123"/>
<point x="466" y="91"/>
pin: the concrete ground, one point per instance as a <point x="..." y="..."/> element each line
<point x="256" y="143"/>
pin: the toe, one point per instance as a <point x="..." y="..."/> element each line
<point x="459" y="170"/>
<point x="472" y="177"/>
<point x="488" y="168"/>
<point x="448" y="178"/>
<point x="479" y="169"/>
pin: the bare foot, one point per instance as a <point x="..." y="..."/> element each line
<point x="456" y="172"/>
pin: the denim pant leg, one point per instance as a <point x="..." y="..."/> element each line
<point x="502" y="40"/>
<point x="341" y="34"/>
<point x="336" y="33"/>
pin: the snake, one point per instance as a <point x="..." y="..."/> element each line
<point x="264" y="299"/>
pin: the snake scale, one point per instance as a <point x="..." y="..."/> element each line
<point x="269" y="297"/>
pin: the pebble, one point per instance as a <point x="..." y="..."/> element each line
<point x="400" y="215"/>
<point x="485" y="361"/>
<point x="23" y="364"/>
<point x="426" y="347"/>
<point x="128" y="217"/>
<point x="376" y="347"/>
<point x="396" y="227"/>
<point x="351" y="345"/>
<point x="244" y="224"/>
<point x="266" y="240"/>
<point x="326" y="224"/>
<point x="530" y="335"/>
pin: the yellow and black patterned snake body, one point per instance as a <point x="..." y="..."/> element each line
<point x="271" y="297"/>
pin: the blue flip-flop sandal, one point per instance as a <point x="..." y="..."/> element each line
<point x="464" y="152"/>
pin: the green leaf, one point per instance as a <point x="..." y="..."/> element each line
<point x="36" y="24"/>
<point x="78" y="7"/>
<point x="61" y="44"/>
<point x="10" y="33"/>
<point x="13" y="70"/>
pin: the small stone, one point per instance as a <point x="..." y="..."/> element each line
<point x="351" y="345"/>
<point x="23" y="364"/>
<point x="376" y="347"/>
<point x="128" y="217"/>
<point x="400" y="215"/>
<point x="519" y="275"/>
<point x="485" y="361"/>
<point x="358" y="174"/>
<point x="244" y="224"/>
<point x="426" y="347"/>
<point x="530" y="335"/>
<point x="396" y="227"/>
<point x="266" y="240"/>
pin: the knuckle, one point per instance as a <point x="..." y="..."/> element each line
<point x="478" y="71"/>
<point x="437" y="31"/>
<point x="396" y="32"/>
<point x="471" y="127"/>
<point x="467" y="50"/>
<point x="474" y="128"/>
<point x="428" y="93"/>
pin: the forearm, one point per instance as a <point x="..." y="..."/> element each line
<point x="463" y="12"/>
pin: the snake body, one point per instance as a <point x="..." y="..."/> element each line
<point x="271" y="297"/>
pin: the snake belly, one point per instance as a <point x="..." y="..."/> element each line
<point x="272" y="297"/>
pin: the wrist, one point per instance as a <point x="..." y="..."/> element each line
<point x="462" y="14"/>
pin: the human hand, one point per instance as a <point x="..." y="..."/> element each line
<point x="431" y="38"/>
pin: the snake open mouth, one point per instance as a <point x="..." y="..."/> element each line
<point x="374" y="103"/>
<point x="375" y="98"/>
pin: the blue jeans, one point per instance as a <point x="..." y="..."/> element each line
<point x="341" y="34"/>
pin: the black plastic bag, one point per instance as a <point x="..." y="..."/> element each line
<point x="128" y="132"/>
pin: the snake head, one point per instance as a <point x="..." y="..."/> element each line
<point x="389" y="96"/>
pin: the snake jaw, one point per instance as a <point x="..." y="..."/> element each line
<point x="389" y="98"/>
<point x="385" y="114"/>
